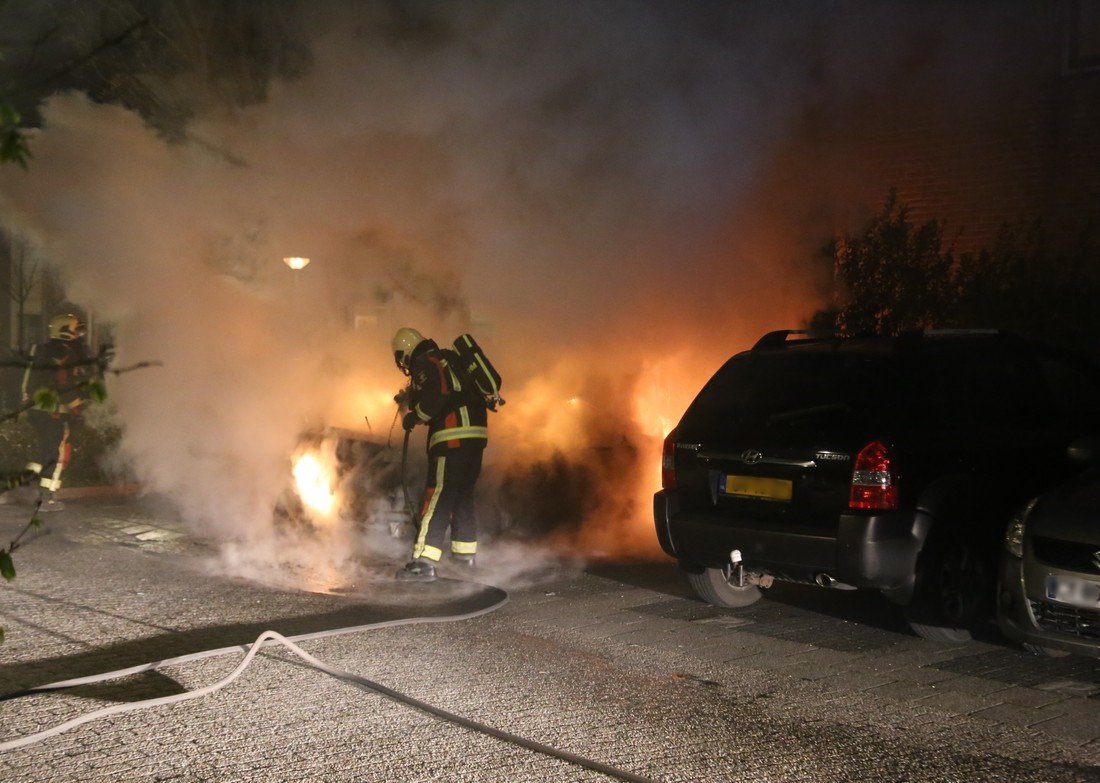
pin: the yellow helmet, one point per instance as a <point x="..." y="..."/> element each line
<point x="404" y="343"/>
<point x="66" y="327"/>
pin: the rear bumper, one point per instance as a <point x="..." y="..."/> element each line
<point x="874" y="550"/>
<point x="1068" y="628"/>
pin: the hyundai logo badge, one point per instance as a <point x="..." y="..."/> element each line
<point x="751" y="456"/>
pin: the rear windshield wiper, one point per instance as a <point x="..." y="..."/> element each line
<point x="813" y="410"/>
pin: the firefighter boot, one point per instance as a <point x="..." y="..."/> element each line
<point x="48" y="502"/>
<point x="465" y="562"/>
<point x="419" y="570"/>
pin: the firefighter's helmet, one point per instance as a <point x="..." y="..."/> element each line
<point x="404" y="343"/>
<point x="66" y="326"/>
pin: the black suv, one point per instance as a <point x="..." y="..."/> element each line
<point x="891" y="463"/>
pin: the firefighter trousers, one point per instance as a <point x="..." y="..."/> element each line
<point x="54" y="448"/>
<point x="449" y="503"/>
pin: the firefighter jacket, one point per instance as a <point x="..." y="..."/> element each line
<point x="67" y="367"/>
<point x="453" y="410"/>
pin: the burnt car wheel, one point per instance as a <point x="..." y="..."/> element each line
<point x="952" y="585"/>
<point x="713" y="587"/>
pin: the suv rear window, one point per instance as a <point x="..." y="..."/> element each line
<point x="981" y="382"/>
<point x="758" y="387"/>
<point x="1074" y="387"/>
<point x="939" y="383"/>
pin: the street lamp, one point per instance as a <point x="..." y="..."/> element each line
<point x="296" y="264"/>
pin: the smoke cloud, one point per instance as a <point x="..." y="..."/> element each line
<point x="613" y="196"/>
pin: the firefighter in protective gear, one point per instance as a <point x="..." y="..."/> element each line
<point x="457" y="435"/>
<point x="54" y="370"/>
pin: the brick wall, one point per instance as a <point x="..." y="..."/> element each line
<point x="1032" y="151"/>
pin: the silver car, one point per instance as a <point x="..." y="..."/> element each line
<point x="1049" y="593"/>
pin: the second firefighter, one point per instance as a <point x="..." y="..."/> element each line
<point x="55" y="369"/>
<point x="456" y="416"/>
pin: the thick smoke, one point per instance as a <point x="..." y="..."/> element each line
<point x="604" y="192"/>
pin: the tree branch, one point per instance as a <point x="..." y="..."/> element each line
<point x="107" y="43"/>
<point x="102" y="361"/>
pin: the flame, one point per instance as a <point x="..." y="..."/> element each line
<point x="314" y="480"/>
<point x="612" y="428"/>
<point x="557" y="410"/>
<point x="661" y="391"/>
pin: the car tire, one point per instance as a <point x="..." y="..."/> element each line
<point x="953" y="582"/>
<point x="712" y="587"/>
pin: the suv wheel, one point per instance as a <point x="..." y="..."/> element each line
<point x="952" y="587"/>
<point x="712" y="585"/>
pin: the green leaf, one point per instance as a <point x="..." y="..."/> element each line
<point x="36" y="522"/>
<point x="7" y="567"/>
<point x="97" y="392"/>
<point x="46" y="399"/>
<point x="13" y="139"/>
<point x="13" y="146"/>
<point x="9" y="115"/>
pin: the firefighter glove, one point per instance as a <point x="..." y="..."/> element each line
<point x="410" y="421"/>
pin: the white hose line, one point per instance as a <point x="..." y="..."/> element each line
<point x="141" y="705"/>
<point x="302" y="637"/>
<point x="251" y="650"/>
<point x="274" y="637"/>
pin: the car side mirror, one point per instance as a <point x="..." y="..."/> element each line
<point x="1084" y="450"/>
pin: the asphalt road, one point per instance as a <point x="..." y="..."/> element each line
<point x="615" y="662"/>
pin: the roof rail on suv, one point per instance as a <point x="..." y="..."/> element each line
<point x="779" y="338"/>
<point x="782" y="337"/>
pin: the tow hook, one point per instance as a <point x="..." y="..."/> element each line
<point x="735" y="577"/>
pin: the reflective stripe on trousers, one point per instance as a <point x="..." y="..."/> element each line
<point x="449" y="504"/>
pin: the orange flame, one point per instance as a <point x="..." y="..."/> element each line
<point x="315" y="479"/>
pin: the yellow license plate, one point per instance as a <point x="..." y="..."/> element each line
<point x="758" y="487"/>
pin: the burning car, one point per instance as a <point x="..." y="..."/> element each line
<point x="344" y="474"/>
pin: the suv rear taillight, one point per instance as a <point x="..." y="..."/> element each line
<point x="668" y="465"/>
<point x="874" y="480"/>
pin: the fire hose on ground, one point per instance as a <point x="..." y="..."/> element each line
<point x="272" y="638"/>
